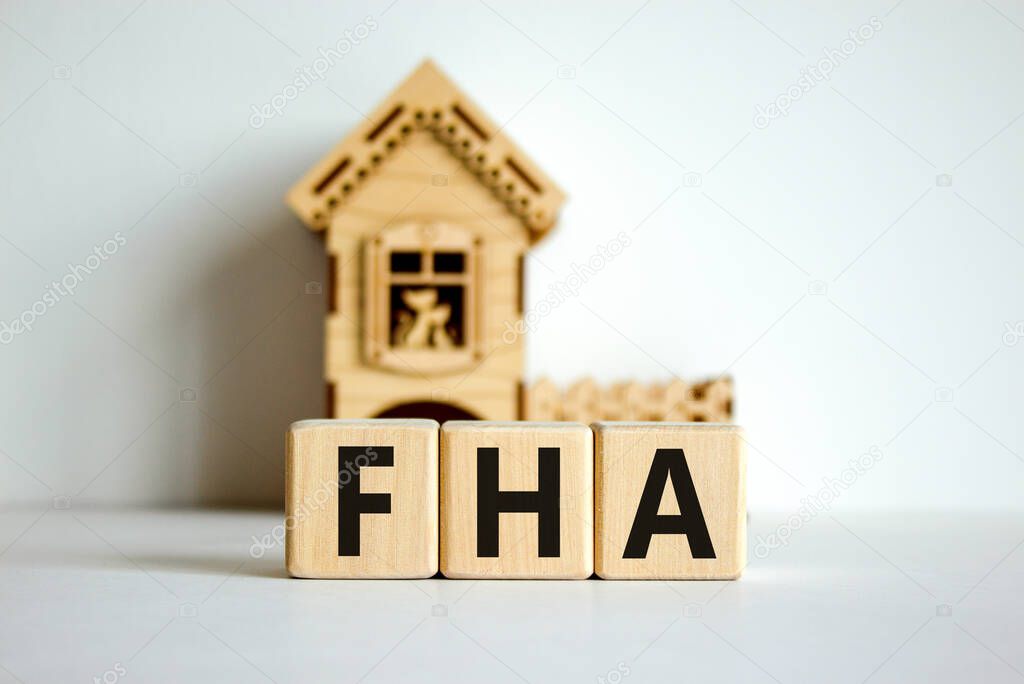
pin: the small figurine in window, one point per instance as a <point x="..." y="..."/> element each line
<point x="425" y="328"/>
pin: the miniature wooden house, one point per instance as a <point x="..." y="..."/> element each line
<point x="428" y="211"/>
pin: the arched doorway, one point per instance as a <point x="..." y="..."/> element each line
<point x="427" y="409"/>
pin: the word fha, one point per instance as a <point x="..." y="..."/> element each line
<point x="397" y="498"/>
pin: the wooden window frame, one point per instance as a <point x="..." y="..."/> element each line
<point x="425" y="238"/>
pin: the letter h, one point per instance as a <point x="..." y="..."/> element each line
<point x="491" y="502"/>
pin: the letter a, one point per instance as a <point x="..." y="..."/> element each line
<point x="690" y="521"/>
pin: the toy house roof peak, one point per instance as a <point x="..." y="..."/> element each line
<point x="429" y="100"/>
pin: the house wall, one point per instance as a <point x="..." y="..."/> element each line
<point x="423" y="182"/>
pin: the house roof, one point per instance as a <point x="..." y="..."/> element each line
<point x="429" y="100"/>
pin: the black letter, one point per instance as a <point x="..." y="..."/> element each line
<point x="690" y="521"/>
<point x="490" y="501"/>
<point x="350" y="502"/>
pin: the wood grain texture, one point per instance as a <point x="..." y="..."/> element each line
<point x="354" y="403"/>
<point x="519" y="552"/>
<point x="716" y="459"/>
<point x="361" y="356"/>
<point x="399" y="544"/>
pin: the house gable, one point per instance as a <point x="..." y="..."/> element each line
<point x="480" y="156"/>
<point x="424" y="183"/>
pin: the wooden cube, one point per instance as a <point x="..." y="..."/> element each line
<point x="671" y="501"/>
<point x="517" y="500"/>
<point x="361" y="498"/>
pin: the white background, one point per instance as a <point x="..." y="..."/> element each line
<point x="860" y="304"/>
<point x="135" y="118"/>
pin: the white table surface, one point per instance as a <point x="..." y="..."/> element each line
<point x="174" y="596"/>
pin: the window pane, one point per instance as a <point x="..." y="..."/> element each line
<point x="406" y="262"/>
<point x="427" y="317"/>
<point x="449" y="262"/>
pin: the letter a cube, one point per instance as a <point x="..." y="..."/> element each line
<point x="361" y="499"/>
<point x="671" y="501"/>
<point x="517" y="500"/>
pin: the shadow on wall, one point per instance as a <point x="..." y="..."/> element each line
<point x="206" y="344"/>
<point x="260" y="318"/>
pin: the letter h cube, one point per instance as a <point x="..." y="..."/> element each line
<point x="517" y="500"/>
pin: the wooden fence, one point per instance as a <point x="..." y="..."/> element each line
<point x="586" y="401"/>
